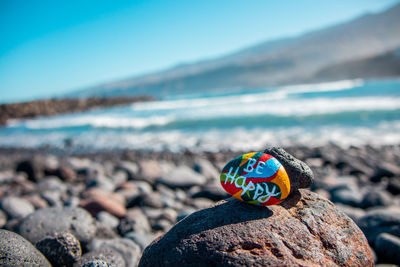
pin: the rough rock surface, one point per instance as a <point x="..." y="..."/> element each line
<point x="48" y="221"/>
<point x="17" y="251"/>
<point x="61" y="250"/>
<point x="300" y="175"/>
<point x="311" y="232"/>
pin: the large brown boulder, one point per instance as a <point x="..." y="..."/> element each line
<point x="307" y="232"/>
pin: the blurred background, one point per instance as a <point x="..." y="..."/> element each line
<point x="199" y="75"/>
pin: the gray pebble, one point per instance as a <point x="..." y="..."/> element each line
<point x="101" y="181"/>
<point x="107" y="219"/>
<point x="379" y="221"/>
<point x="182" y="177"/>
<point x="48" y="221"/>
<point x="135" y="221"/>
<point x="128" y="249"/>
<point x="17" y="251"/>
<point x="376" y="197"/>
<point x="105" y="255"/>
<point x="16" y="208"/>
<point x="143" y="240"/>
<point x="388" y="248"/>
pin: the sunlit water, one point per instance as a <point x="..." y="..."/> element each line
<point x="343" y="112"/>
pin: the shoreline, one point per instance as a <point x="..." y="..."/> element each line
<point x="57" y="106"/>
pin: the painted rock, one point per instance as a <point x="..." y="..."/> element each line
<point x="256" y="178"/>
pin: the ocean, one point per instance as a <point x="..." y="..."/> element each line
<point x="349" y="112"/>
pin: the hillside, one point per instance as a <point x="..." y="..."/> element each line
<point x="381" y="66"/>
<point x="284" y="61"/>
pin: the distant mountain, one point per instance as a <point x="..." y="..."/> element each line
<point x="381" y="66"/>
<point x="310" y="57"/>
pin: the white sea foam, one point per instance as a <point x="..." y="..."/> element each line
<point x="249" y="98"/>
<point x="100" y="121"/>
<point x="236" y="139"/>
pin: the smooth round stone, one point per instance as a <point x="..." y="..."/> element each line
<point x="256" y="178"/>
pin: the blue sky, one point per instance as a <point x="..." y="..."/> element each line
<point x="52" y="47"/>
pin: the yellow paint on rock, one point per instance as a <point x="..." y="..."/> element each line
<point x="282" y="180"/>
<point x="237" y="195"/>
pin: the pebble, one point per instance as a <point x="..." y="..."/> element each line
<point x="211" y="190"/>
<point x="143" y="240"/>
<point x="103" y="256"/>
<point x="182" y="177"/>
<point x="3" y="219"/>
<point x="63" y="249"/>
<point x="150" y="170"/>
<point x="119" y="177"/>
<point x="379" y="221"/>
<point x="16" y="208"/>
<point x="130" y="168"/>
<point x="17" y="251"/>
<point x="300" y="174"/>
<point x="205" y="168"/>
<point x="256" y="178"/>
<point x="128" y="249"/>
<point x="135" y="221"/>
<point x="97" y="204"/>
<point x="102" y="182"/>
<point x="388" y="248"/>
<point x="51" y="183"/>
<point x="394" y="186"/>
<point x="376" y="197"/>
<point x="347" y="197"/>
<point x="107" y="219"/>
<point x="97" y="263"/>
<point x="49" y="221"/>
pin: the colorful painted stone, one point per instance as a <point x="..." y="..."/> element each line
<point x="256" y="178"/>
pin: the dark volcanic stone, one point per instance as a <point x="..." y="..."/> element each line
<point x="233" y="233"/>
<point x="61" y="250"/>
<point x="347" y="197"/>
<point x="376" y="197"/>
<point x="380" y="221"/>
<point x="32" y="167"/>
<point x="17" y="251"/>
<point x="388" y="248"/>
<point x="300" y="175"/>
<point x="394" y="186"/>
<point x="49" y="221"/>
<point x="105" y="255"/>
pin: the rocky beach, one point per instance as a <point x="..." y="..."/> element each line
<point x="103" y="208"/>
